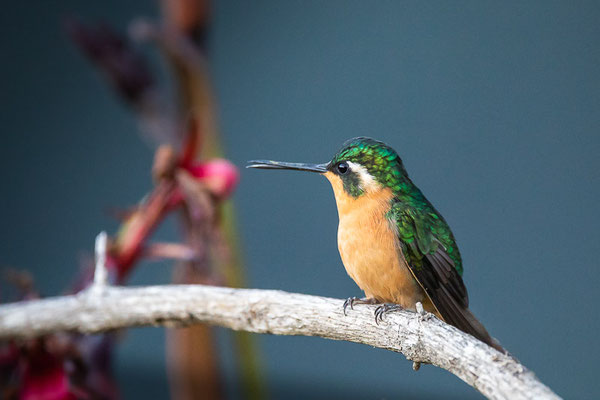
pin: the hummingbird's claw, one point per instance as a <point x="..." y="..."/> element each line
<point x="351" y="301"/>
<point x="384" y="309"/>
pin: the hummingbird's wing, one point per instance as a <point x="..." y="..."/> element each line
<point x="427" y="245"/>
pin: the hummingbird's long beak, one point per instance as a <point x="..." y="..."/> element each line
<point x="267" y="164"/>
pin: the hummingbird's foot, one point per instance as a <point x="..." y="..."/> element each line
<point x="384" y="309"/>
<point x="351" y="301"/>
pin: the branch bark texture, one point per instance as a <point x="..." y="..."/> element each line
<point x="420" y="337"/>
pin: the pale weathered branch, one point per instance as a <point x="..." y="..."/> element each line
<point x="100" y="271"/>
<point x="420" y="337"/>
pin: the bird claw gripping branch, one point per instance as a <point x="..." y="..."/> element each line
<point x="351" y="301"/>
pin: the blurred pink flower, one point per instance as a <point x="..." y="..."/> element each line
<point x="219" y="175"/>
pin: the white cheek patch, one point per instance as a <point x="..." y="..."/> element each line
<point x="367" y="182"/>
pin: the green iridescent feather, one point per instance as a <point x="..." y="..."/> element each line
<point x="421" y="229"/>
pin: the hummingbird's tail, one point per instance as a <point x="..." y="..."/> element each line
<point x="459" y="315"/>
<point x="472" y="326"/>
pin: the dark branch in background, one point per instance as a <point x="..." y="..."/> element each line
<point x="191" y="18"/>
<point x="125" y="68"/>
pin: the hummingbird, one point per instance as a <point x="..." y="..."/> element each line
<point x="393" y="243"/>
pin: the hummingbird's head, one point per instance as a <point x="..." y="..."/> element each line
<point x="365" y="165"/>
<point x="362" y="165"/>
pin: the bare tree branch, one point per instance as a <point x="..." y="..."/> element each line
<point x="420" y="337"/>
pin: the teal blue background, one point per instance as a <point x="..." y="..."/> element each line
<point x="494" y="107"/>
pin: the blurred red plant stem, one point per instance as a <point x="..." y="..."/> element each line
<point x="164" y="198"/>
<point x="132" y="236"/>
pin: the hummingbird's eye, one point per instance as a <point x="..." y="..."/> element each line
<point x="342" y="167"/>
